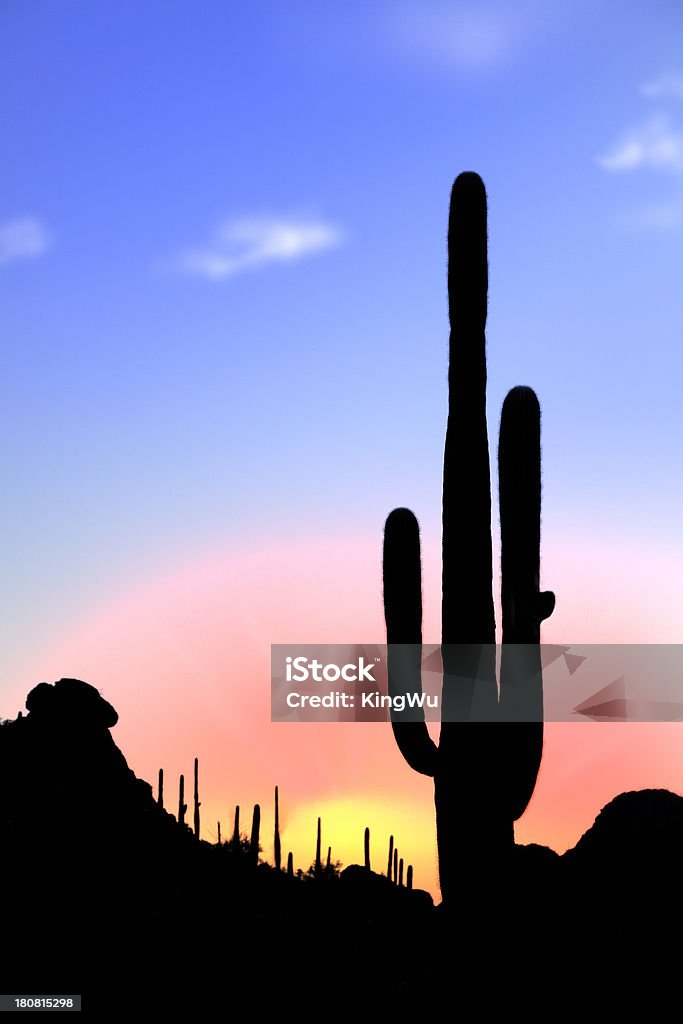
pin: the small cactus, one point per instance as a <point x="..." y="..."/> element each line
<point x="182" y="806"/>
<point x="390" y="862"/>
<point x="236" y="833"/>
<point x="290" y="864"/>
<point x="409" y="877"/>
<point x="400" y="872"/>
<point x="255" y="828"/>
<point x="318" y="863"/>
<point x="367" y="849"/>
<point x="197" y="804"/>
<point x="276" y="841"/>
<point x="395" y="874"/>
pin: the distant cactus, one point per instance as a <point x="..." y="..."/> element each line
<point x="182" y="806"/>
<point x="318" y="870"/>
<point x="390" y="862"/>
<point x="484" y="775"/>
<point x="277" y="850"/>
<point x="409" y="877"/>
<point x="236" y="831"/>
<point x="255" y="828"/>
<point x="197" y="804"/>
<point x="290" y="864"/>
<point x="395" y="867"/>
<point x="329" y="859"/>
<point x="400" y="872"/>
<point x="219" y="833"/>
<point x="367" y="849"/>
<point x="160" y="791"/>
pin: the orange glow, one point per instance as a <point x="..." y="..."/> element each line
<point x="185" y="660"/>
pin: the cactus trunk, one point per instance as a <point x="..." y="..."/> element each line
<point x="255" y="829"/>
<point x="160" y="791"/>
<point x="277" y="850"/>
<point x="197" y="804"/>
<point x="290" y="864"/>
<point x="409" y="877"/>
<point x="367" y="849"/>
<point x="318" y="863"/>
<point x="182" y="806"/>
<point x="390" y="862"/>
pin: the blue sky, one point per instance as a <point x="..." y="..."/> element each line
<point x="222" y="266"/>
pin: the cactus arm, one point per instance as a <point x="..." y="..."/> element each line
<point x="403" y="616"/>
<point x="523" y="605"/>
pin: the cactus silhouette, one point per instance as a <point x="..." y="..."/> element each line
<point x="366" y="849"/>
<point x="255" y="829"/>
<point x="484" y="771"/>
<point x="182" y="806"/>
<point x="160" y="791"/>
<point x="277" y="848"/>
<point x="318" y="870"/>
<point x="409" y="877"/>
<point x="390" y="862"/>
<point x="197" y="803"/>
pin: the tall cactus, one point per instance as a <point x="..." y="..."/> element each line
<point x="290" y="864"/>
<point x="197" y="804"/>
<point x="400" y="872"/>
<point x="484" y="773"/>
<point x="277" y="849"/>
<point x="390" y="862"/>
<point x="367" y="849"/>
<point x="236" y="832"/>
<point x="160" y="791"/>
<point x="409" y="877"/>
<point x="219" y="834"/>
<point x="182" y="806"/>
<point x="255" y="829"/>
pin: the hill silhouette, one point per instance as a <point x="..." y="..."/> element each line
<point x="110" y="895"/>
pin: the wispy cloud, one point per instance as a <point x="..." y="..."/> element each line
<point x="23" y="238"/>
<point x="657" y="143"/>
<point x="255" y="242"/>
<point x="669" y="86"/>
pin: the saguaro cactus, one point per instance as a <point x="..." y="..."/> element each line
<point x="197" y="804"/>
<point x="277" y="849"/>
<point x="255" y="829"/>
<point x="390" y="862"/>
<point x="219" y="834"/>
<point x="318" y="863"/>
<point x="236" y="832"/>
<point x="290" y="864"/>
<point x="409" y="877"/>
<point x="182" y="806"/>
<point x="367" y="849"/>
<point x="160" y="791"/>
<point x="484" y="771"/>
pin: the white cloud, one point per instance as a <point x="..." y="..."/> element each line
<point x="656" y="144"/>
<point x="668" y="86"/>
<point x="23" y="238"/>
<point x="247" y="244"/>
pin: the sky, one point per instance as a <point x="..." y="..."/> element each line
<point x="224" y="335"/>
